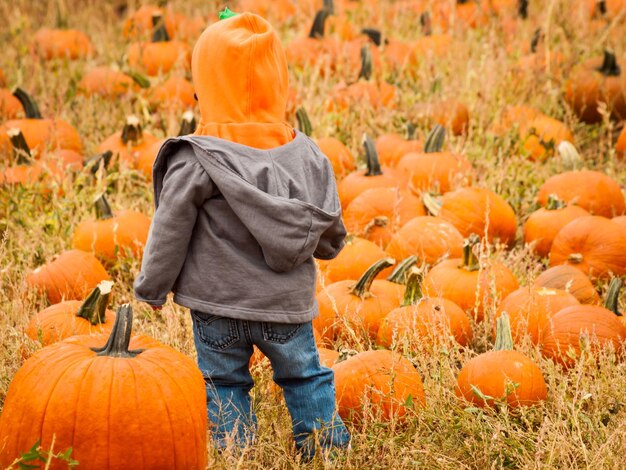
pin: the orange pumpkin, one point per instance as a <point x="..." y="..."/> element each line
<point x="530" y="308"/>
<point x="544" y="224"/>
<point x="128" y="143"/>
<point x="423" y="319"/>
<point x="175" y="93"/>
<point x="140" y="23"/>
<point x="74" y="317"/>
<point x="376" y="214"/>
<point x="25" y="170"/>
<point x="10" y="106"/>
<point x="502" y="374"/>
<point x="111" y="83"/>
<point x="621" y="220"/>
<point x="61" y="43"/>
<point x="375" y="176"/>
<point x="476" y="210"/>
<point x="349" y="307"/>
<point x="356" y="256"/>
<point x="312" y="50"/>
<point x="392" y="147"/>
<point x="449" y="113"/>
<point x="159" y="397"/>
<point x="434" y="170"/>
<point x="592" y="190"/>
<point x="569" y="279"/>
<point x="340" y="157"/>
<point x="593" y="244"/>
<point x="328" y="357"/>
<point x="162" y="54"/>
<point x="473" y="286"/>
<point x="112" y="236"/>
<point x="381" y="379"/>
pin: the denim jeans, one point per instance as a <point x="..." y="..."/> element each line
<point x="224" y="347"/>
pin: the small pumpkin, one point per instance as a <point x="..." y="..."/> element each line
<point x="356" y="256"/>
<point x="175" y="93"/>
<point x="392" y="147"/>
<point x="312" y="50"/>
<point x="10" y="106"/>
<point x="111" y="236"/>
<point x="593" y="244"/>
<point x="423" y="319"/>
<point x="71" y="44"/>
<point x="340" y="157"/>
<point x="449" y="113"/>
<point x="545" y="223"/>
<point x="502" y="374"/>
<point x="384" y="380"/>
<point x="472" y="285"/>
<point x="129" y="143"/>
<point x="569" y="279"/>
<point x="110" y="83"/>
<point x="561" y="338"/>
<point x="25" y="171"/>
<point x="74" y="317"/>
<point x="107" y="398"/>
<point x="70" y="276"/>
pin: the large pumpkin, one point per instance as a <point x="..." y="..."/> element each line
<point x="129" y="143"/>
<point x="340" y="157"/>
<point x="117" y="402"/>
<point x="381" y="379"/>
<point x="71" y="276"/>
<point x="392" y="147"/>
<point x="73" y="317"/>
<point x="569" y="279"/>
<point x="502" y="374"/>
<point x="593" y="244"/>
<point x="357" y="255"/>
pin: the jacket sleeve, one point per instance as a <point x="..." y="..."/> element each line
<point x="184" y="189"/>
<point x="332" y="240"/>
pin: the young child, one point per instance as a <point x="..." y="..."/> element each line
<point x="242" y="207"/>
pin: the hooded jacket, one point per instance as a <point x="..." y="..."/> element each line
<point x="242" y="209"/>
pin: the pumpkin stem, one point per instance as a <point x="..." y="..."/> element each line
<point x="319" y="24"/>
<point x="431" y="203"/>
<point x="380" y="221"/>
<point x="609" y="66"/>
<point x="554" y="203"/>
<point x="569" y="154"/>
<point x="329" y="6"/>
<point x="371" y="157"/>
<point x="575" y="258"/>
<point x="522" y="9"/>
<point x="534" y="42"/>
<point x="504" y="339"/>
<point x="435" y="139"/>
<point x="188" y="124"/>
<point x="102" y="159"/>
<point x="139" y="79"/>
<point x="103" y="209"/>
<point x="159" y="32"/>
<point x="601" y="6"/>
<point x="470" y="260"/>
<point x="31" y="110"/>
<point x="399" y="274"/>
<point x="426" y="24"/>
<point x="132" y="131"/>
<point x="117" y="345"/>
<point x="410" y="131"/>
<point x="21" y="151"/>
<point x="226" y="13"/>
<point x="413" y="292"/>
<point x="94" y="307"/>
<point x="612" y="296"/>
<point x="304" y="123"/>
<point x="374" y="35"/>
<point x="362" y="287"/>
<point x="366" y="63"/>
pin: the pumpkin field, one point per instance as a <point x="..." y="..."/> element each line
<point x="475" y="317"/>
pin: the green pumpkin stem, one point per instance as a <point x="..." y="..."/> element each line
<point x="188" y="124"/>
<point x="504" y="339"/>
<point x="366" y="63"/>
<point x="103" y="209"/>
<point x="374" y="35"/>
<point x="94" y="307"/>
<point x="329" y="6"/>
<point x="399" y="274"/>
<point x="410" y="131"/>
<point x="612" y="296"/>
<point x="304" y="123"/>
<point x="431" y="203"/>
<point x="99" y="160"/>
<point x="371" y="157"/>
<point x="132" y="131"/>
<point x="601" y="6"/>
<point x="226" y="13"/>
<point x="522" y="9"/>
<point x="319" y="24"/>
<point x="159" y="31"/>
<point x="609" y="66"/>
<point x="413" y="292"/>
<point x="554" y="203"/>
<point x="534" y="42"/>
<point x="362" y="287"/>
<point x="470" y="260"/>
<point x="435" y="139"/>
<point x="31" y="110"/>
<point x="141" y="80"/>
<point x="117" y="345"/>
<point x="21" y="151"/>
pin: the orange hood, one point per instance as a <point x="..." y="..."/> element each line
<point x="241" y="81"/>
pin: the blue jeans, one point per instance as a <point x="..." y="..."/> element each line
<point x="224" y="347"/>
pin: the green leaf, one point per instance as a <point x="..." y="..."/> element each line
<point x="226" y="13"/>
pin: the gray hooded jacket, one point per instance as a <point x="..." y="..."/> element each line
<point x="236" y="228"/>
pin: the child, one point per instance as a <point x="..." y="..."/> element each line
<point x="242" y="207"/>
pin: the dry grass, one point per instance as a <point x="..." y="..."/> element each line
<point x="583" y="422"/>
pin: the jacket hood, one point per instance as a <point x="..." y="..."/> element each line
<point x="241" y="80"/>
<point x="272" y="194"/>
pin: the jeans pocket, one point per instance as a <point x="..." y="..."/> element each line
<point x="216" y="332"/>
<point x="279" y="332"/>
